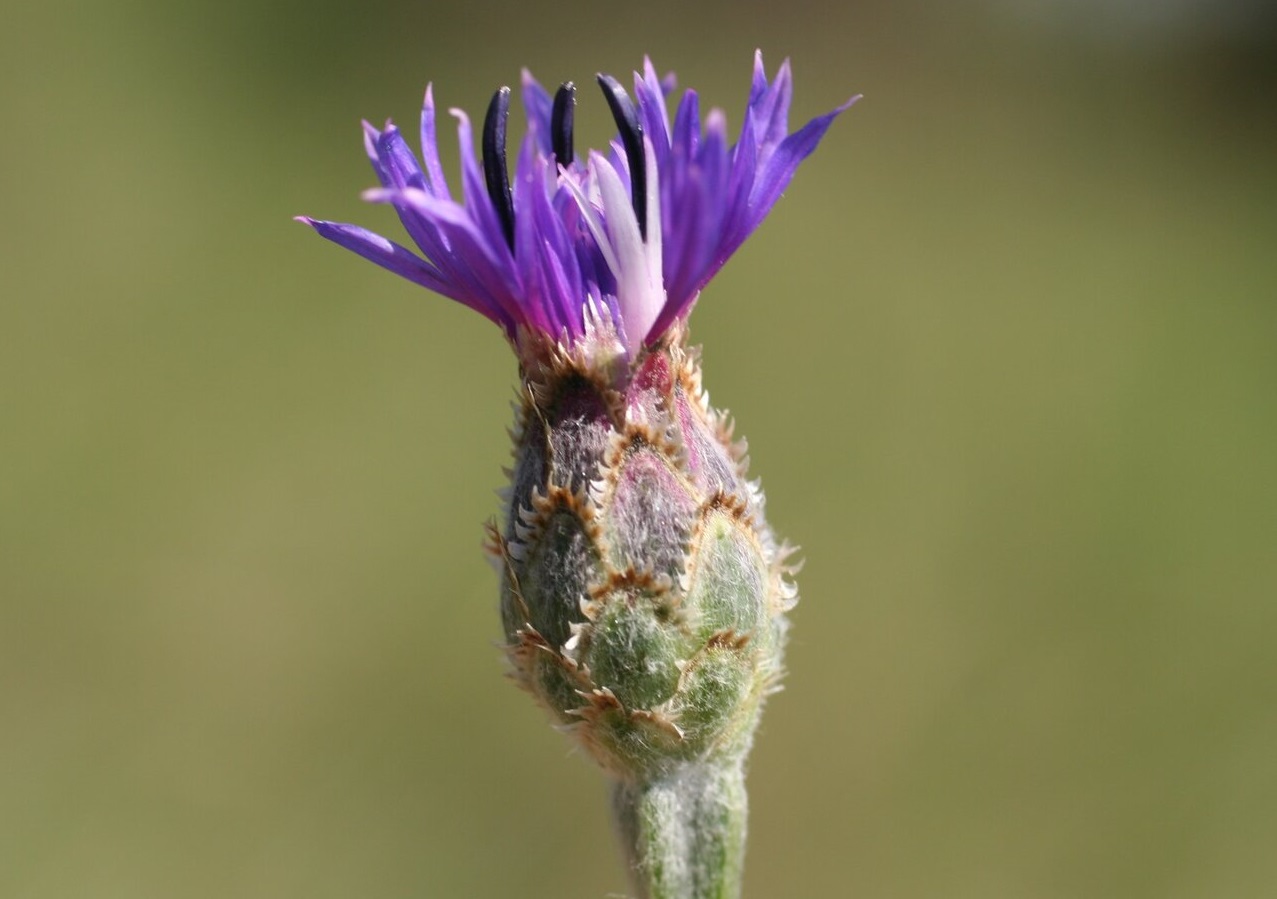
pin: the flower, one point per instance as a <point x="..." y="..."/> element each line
<point x="644" y="597"/>
<point x="628" y="237"/>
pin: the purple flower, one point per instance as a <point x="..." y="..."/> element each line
<point x="627" y="238"/>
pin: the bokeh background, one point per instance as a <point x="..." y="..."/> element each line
<point x="1006" y="355"/>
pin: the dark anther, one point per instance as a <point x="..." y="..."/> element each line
<point x="495" y="171"/>
<point x="561" y="122"/>
<point x="631" y="129"/>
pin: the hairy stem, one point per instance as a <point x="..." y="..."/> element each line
<point x="684" y="831"/>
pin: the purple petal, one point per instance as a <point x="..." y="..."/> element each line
<point x="779" y="170"/>
<point x="549" y="254"/>
<point x="771" y="112"/>
<point x="698" y="230"/>
<point x="438" y="184"/>
<point x="539" y="305"/>
<point x="371" y="136"/>
<point x="396" y="168"/>
<point x="391" y="256"/>
<point x="539" y="107"/>
<point x="476" y="265"/>
<point x="687" y="125"/>
<point x="651" y="103"/>
<point x="474" y="189"/>
<point x="398" y="160"/>
<point x="758" y="86"/>
<point x="740" y="184"/>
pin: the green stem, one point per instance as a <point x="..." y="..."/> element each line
<point x="684" y="831"/>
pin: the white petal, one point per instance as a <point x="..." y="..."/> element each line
<point x="640" y="295"/>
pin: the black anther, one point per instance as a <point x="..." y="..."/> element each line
<point x="495" y="171"/>
<point x="561" y="122"/>
<point x="631" y="130"/>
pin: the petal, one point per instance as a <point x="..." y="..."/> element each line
<point x="687" y="125"/>
<point x="474" y="189"/>
<point x="474" y="266"/>
<point x="692" y="245"/>
<point x="541" y="301"/>
<point x="438" y="184"/>
<point x="779" y="169"/>
<point x="371" y="136"/>
<point x="758" y="85"/>
<point x="744" y="168"/>
<point x="397" y="159"/>
<point x="639" y="293"/>
<point x="538" y="106"/>
<point x="770" y="109"/>
<point x="651" y="104"/>
<point x="397" y="168"/>
<point x="391" y="256"/>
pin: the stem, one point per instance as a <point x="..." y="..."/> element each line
<point x="684" y="831"/>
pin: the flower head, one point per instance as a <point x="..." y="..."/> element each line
<point x="644" y="598"/>
<point x="628" y="237"/>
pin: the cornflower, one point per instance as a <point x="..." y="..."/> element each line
<point x="643" y="595"/>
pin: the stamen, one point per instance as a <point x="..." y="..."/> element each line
<point x="631" y="129"/>
<point x="561" y="123"/>
<point x="495" y="171"/>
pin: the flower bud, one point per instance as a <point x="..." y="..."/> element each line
<point x="642" y="593"/>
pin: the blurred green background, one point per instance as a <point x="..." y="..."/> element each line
<point x="1006" y="356"/>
